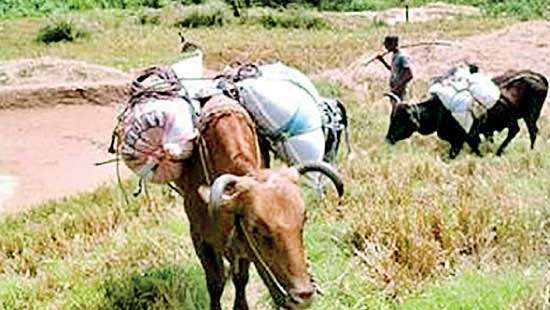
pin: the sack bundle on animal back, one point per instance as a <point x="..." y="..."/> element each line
<point x="156" y="129"/>
<point x="466" y="95"/>
<point x="521" y="96"/>
<point x="289" y="111"/>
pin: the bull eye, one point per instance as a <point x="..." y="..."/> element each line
<point x="268" y="240"/>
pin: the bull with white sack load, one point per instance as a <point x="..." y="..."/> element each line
<point x="294" y="120"/>
<point x="157" y="128"/>
<point x="465" y="104"/>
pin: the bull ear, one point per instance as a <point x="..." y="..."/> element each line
<point x="204" y="193"/>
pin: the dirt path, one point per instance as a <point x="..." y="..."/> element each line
<point x="49" y="153"/>
<point x="521" y="46"/>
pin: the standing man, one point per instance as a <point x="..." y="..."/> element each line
<point x="401" y="72"/>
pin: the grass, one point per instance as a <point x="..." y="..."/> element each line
<point x="126" y="44"/>
<point x="521" y="8"/>
<point x="211" y="14"/>
<point x="293" y="18"/>
<point x="414" y="231"/>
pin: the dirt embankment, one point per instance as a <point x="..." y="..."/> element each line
<point x="521" y="46"/>
<point x="428" y="12"/>
<point x="50" y="81"/>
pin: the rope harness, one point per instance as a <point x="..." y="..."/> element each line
<point x="280" y="295"/>
<point x="210" y="116"/>
<point x="166" y="87"/>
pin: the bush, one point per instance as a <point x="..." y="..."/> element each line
<point x="292" y="19"/>
<point x="214" y="13"/>
<point x="522" y="8"/>
<point x="167" y="287"/>
<point x="155" y="4"/>
<point x="60" y="30"/>
<point x="149" y="18"/>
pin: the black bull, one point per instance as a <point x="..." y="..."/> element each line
<point x="522" y="97"/>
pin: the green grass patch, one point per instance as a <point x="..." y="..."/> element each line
<point x="474" y="290"/>
<point x="167" y="287"/>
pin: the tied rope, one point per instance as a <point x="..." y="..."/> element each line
<point x="167" y="87"/>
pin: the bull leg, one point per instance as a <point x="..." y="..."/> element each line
<point x="264" y="150"/>
<point x="533" y="130"/>
<point x="513" y="130"/>
<point x="240" y="279"/>
<point x="456" y="147"/>
<point x="212" y="264"/>
<point x="489" y="137"/>
<point x="473" y="142"/>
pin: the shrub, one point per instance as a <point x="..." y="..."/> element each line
<point x="149" y="18"/>
<point x="292" y="19"/>
<point x="214" y="13"/>
<point x="155" y="4"/>
<point x="60" y="30"/>
<point x="166" y="287"/>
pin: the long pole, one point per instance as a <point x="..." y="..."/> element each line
<point x="443" y="43"/>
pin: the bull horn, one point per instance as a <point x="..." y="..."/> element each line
<point x="325" y="169"/>
<point x="394" y="99"/>
<point x="216" y="193"/>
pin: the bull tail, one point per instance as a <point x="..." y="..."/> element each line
<point x="344" y="113"/>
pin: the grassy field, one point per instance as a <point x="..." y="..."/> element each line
<point x="415" y="230"/>
<point x="118" y="39"/>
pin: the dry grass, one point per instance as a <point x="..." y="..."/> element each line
<point x="126" y="44"/>
<point x="416" y="216"/>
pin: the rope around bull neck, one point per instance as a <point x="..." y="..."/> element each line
<point x="281" y="295"/>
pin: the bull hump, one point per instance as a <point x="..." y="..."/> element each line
<point x="219" y="105"/>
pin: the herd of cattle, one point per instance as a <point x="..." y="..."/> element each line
<point x="215" y="150"/>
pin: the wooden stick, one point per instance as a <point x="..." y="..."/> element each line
<point x="443" y="43"/>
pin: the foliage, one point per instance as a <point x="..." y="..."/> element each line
<point x="167" y="287"/>
<point x="522" y="8"/>
<point x="60" y="29"/>
<point x="147" y="17"/>
<point x="212" y="13"/>
<point x="295" y="18"/>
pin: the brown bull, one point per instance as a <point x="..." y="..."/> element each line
<point x="249" y="214"/>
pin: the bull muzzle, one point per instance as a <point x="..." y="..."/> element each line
<point x="301" y="298"/>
